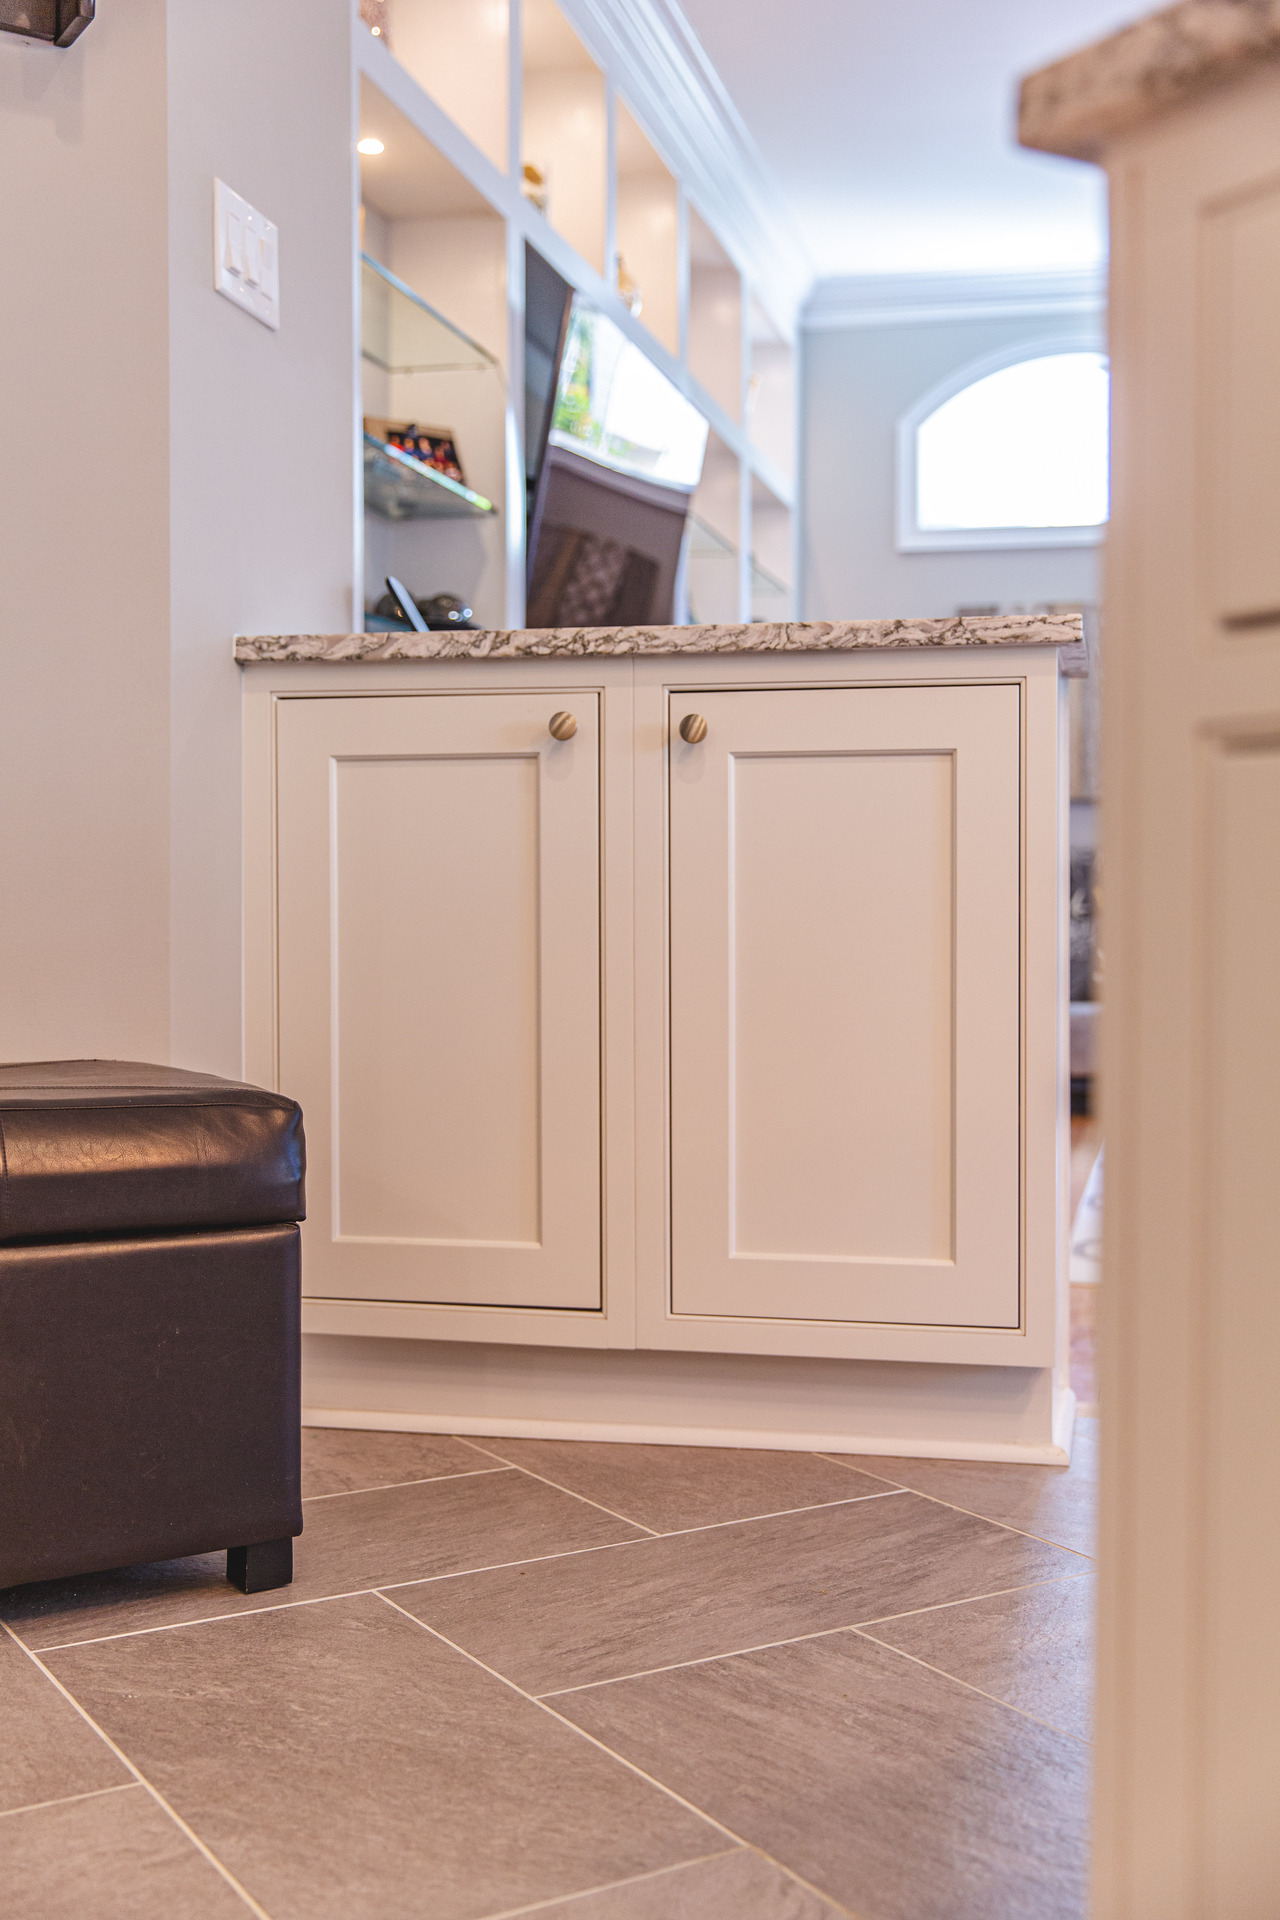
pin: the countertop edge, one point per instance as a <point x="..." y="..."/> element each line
<point x="846" y="636"/>
<point x="1080" y="102"/>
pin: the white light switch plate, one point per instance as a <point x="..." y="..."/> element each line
<point x="246" y="256"/>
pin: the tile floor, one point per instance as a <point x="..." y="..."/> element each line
<point x="588" y="1682"/>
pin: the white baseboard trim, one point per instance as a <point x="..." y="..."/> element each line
<point x="1057" y="1454"/>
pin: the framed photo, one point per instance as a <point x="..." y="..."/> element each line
<point x="434" y="446"/>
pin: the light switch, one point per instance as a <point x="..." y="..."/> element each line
<point x="246" y="256"/>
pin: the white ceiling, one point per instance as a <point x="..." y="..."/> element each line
<point x="888" y="127"/>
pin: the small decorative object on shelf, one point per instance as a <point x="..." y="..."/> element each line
<point x="533" y="186"/>
<point x="376" y="15"/>
<point x="433" y="446"/>
<point x="438" y="614"/>
<point x="412" y="473"/>
<point x="57" y="21"/>
<point x="629" y="290"/>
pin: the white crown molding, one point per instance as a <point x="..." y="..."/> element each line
<point x="655" y="59"/>
<point x="907" y="299"/>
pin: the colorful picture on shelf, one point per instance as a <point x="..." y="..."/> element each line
<point x="434" y="446"/>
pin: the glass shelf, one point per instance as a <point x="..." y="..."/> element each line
<point x="400" y="333"/>
<point x="401" y="488"/>
<point x="706" y="544"/>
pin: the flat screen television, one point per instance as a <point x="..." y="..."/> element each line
<point x="614" y="452"/>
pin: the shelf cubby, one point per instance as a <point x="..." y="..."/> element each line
<point x="433" y="348"/>
<point x="565" y="131"/>
<point x="457" y="51"/>
<point x="772" y="393"/>
<point x="647" y="225"/>
<point x="713" y="570"/>
<point x="715" y="318"/>
<point x="771" y="563"/>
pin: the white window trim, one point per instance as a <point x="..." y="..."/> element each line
<point x="911" y="537"/>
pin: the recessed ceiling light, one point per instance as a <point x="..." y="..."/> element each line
<point x="370" y="146"/>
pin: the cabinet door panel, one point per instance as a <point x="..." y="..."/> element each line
<point x="439" y="992"/>
<point x="845" y="976"/>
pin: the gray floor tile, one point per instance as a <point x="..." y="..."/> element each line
<point x="1056" y="1503"/>
<point x="670" y="1487"/>
<point x="345" y="1765"/>
<point x="117" y="1856"/>
<point x="362" y="1540"/>
<point x="737" y="1886"/>
<point x="1033" y="1649"/>
<point x="47" y="1752"/>
<point x="896" y="1791"/>
<point x="350" y="1460"/>
<point x="595" y="1616"/>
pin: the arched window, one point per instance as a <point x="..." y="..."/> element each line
<point x="1010" y="454"/>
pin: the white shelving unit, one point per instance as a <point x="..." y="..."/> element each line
<point x="499" y="126"/>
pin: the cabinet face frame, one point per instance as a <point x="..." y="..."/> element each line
<point x="266" y="690"/>
<point x="636" y="1149"/>
<point x="1044" y="1121"/>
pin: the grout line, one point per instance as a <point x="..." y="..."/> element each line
<point x="621" y="1758"/>
<point x="600" y="1508"/>
<point x="971" y="1599"/>
<point x="203" y="1620"/>
<point x="783" y="1513"/>
<point x="610" y="1886"/>
<point x="676" y="1533"/>
<point x="427" y="1480"/>
<point x="540" y="1559"/>
<point x="142" y="1780"/>
<point x="942" y="1673"/>
<point x="68" y="1799"/>
<point x="973" y="1513"/>
<point x="701" y="1660"/>
<point x="799" y="1639"/>
<point x="319" y="1599"/>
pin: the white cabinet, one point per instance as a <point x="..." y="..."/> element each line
<point x="845" y="982"/>
<point x="438" y="911"/>
<point x="754" y="1046"/>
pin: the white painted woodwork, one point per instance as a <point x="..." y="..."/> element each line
<point x="1241" y="373"/>
<point x="684" y="1399"/>
<point x="564" y="114"/>
<point x="935" y="1387"/>
<point x="439" y="1012"/>
<point x="845" y="966"/>
<point x="1189" y="1665"/>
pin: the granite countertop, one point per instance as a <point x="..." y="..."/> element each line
<point x="1079" y="103"/>
<point x="801" y="636"/>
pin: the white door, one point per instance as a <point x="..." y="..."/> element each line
<point x="439" y="994"/>
<point x="845" y="987"/>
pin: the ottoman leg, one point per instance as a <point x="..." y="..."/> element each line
<point x="254" y="1569"/>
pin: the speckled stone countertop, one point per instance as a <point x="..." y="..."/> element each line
<point x="1079" y="103"/>
<point x="801" y="636"/>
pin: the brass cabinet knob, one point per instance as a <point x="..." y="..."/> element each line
<point x="562" y="726"/>
<point x="693" y="728"/>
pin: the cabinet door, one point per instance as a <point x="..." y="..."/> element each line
<point x="439" y="994"/>
<point x="845" y="985"/>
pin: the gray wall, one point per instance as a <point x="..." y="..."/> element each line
<point x="84" y="585"/>
<point x="172" y="473"/>
<point x="856" y="383"/>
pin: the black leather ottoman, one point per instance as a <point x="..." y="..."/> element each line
<point x="149" y="1321"/>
